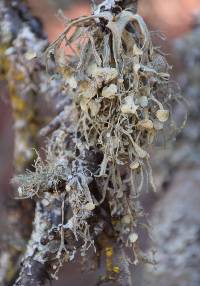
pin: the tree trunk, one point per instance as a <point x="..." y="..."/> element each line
<point x="175" y="218"/>
<point x="20" y="33"/>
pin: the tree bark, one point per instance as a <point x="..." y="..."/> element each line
<point x="175" y="218"/>
<point x="19" y="33"/>
<point x="175" y="223"/>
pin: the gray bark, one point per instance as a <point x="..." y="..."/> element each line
<point x="175" y="218"/>
<point x="176" y="229"/>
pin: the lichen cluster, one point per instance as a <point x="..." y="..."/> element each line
<point x="120" y="87"/>
<point x="121" y="95"/>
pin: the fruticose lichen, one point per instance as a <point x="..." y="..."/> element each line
<point x="121" y="94"/>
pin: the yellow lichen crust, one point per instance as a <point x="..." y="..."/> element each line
<point x="24" y="107"/>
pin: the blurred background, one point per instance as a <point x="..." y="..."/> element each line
<point x="174" y="211"/>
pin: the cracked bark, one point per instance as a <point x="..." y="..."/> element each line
<point x="35" y="266"/>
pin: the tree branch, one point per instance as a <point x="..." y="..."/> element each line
<point x="19" y="31"/>
<point x="54" y="237"/>
<point x="40" y="250"/>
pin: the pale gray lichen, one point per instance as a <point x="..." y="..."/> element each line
<point x="121" y="95"/>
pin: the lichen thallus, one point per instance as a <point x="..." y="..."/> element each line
<point x="122" y="95"/>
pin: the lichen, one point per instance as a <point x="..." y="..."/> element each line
<point x="122" y="95"/>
